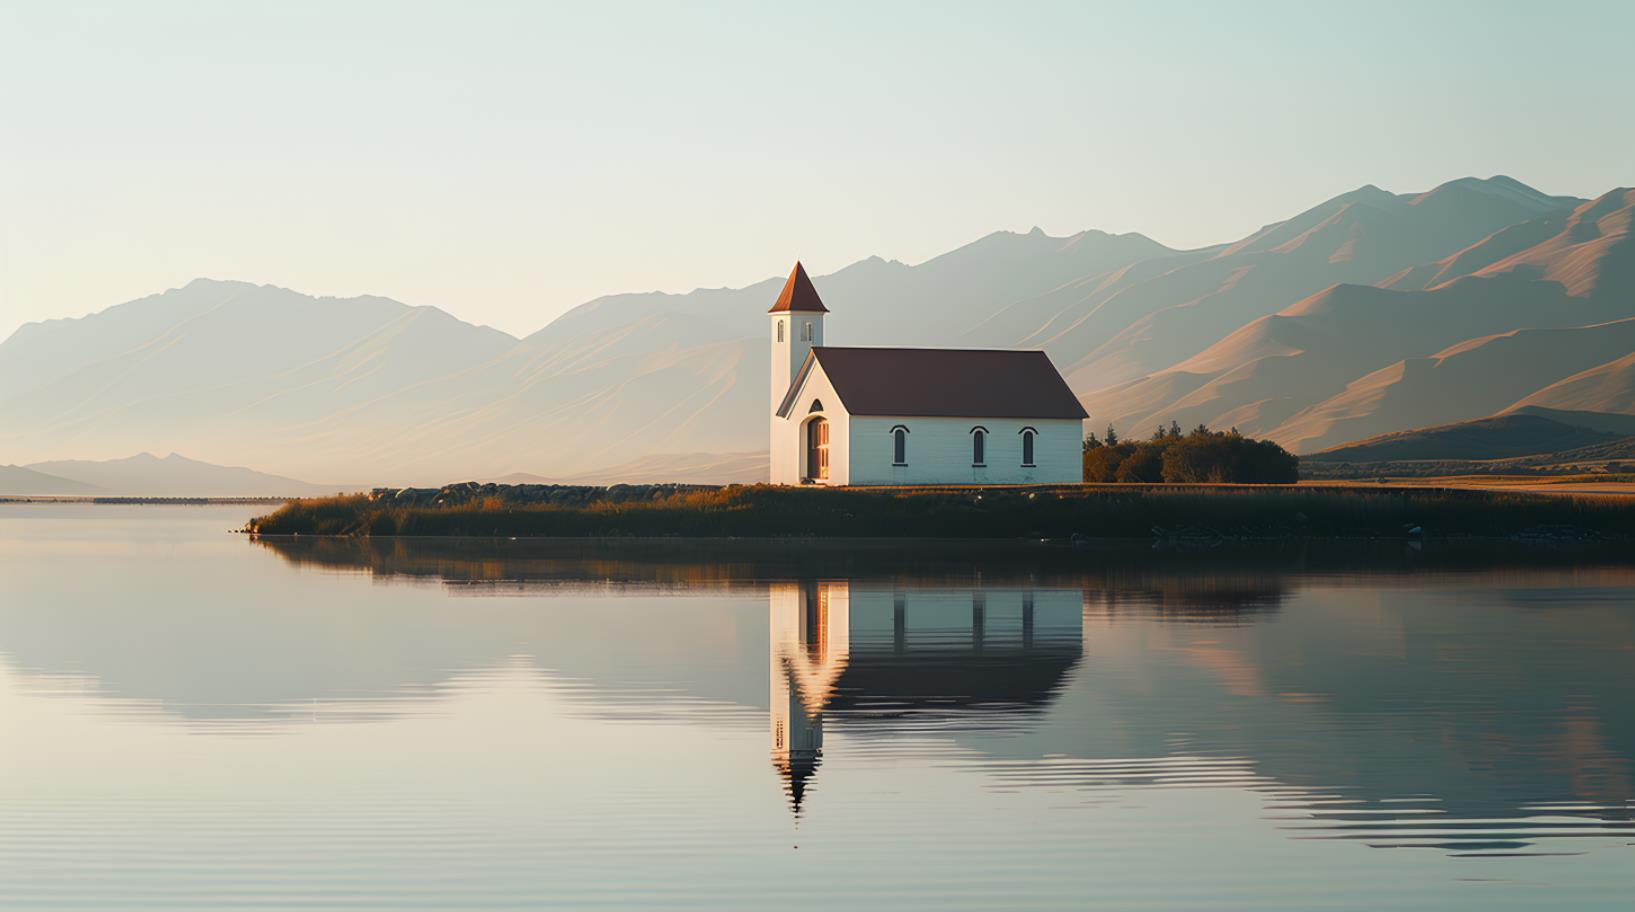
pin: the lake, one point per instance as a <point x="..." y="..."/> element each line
<point x="191" y="719"/>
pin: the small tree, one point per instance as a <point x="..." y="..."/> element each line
<point x="1174" y="429"/>
<point x="1112" y="436"/>
<point x="1090" y="441"/>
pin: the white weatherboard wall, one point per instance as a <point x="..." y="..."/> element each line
<point x="789" y="434"/>
<point x="939" y="451"/>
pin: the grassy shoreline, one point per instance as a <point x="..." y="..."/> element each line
<point x="1182" y="512"/>
<point x="1196" y="579"/>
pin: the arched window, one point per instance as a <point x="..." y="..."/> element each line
<point x="1027" y="446"/>
<point x="899" y="445"/>
<point x="806" y="331"/>
<point x="817" y="406"/>
<point x="979" y="446"/>
<point x="780" y="330"/>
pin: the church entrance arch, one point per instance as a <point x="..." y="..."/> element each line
<point x="817" y="449"/>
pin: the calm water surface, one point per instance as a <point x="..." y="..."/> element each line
<point x="192" y="720"/>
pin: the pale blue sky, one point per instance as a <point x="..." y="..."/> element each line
<point x="507" y="161"/>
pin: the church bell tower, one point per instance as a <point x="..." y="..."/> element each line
<point x="797" y="326"/>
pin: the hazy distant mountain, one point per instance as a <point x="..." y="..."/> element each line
<point x="1609" y="387"/>
<point x="885" y="302"/>
<point x="1120" y="327"/>
<point x="1370" y="313"/>
<point x="1355" y="361"/>
<point x="678" y="468"/>
<point x="1498" y="437"/>
<point x="173" y="476"/>
<point x="21" y="480"/>
<point x="324" y="387"/>
<point x="217" y="368"/>
<point x="1620" y="424"/>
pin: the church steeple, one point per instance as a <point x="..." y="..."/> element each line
<point x="796" y="328"/>
<point x="798" y="294"/>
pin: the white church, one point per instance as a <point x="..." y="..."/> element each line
<point x="910" y="416"/>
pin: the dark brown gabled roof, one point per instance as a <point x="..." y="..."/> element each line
<point x="798" y="294"/>
<point x="943" y="383"/>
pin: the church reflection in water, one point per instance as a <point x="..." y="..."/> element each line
<point x="1474" y="710"/>
<point x="877" y="652"/>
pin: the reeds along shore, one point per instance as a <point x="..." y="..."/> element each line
<point x="1094" y="511"/>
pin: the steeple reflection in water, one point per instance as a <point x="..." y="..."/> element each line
<point x="810" y="635"/>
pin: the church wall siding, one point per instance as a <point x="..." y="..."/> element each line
<point x="939" y="451"/>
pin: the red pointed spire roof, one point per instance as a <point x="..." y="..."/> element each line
<point x="798" y="294"/>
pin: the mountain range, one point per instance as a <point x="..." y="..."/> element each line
<point x="1370" y="313"/>
<point x="16" y="479"/>
<point x="1536" y="313"/>
<point x="147" y="475"/>
<point x="1528" y="431"/>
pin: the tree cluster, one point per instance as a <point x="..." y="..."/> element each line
<point x="1202" y="456"/>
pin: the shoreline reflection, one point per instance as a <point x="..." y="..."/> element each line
<point x="1393" y="697"/>
<point x="1383" y="698"/>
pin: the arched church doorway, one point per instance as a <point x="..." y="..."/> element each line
<point x="817" y="449"/>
